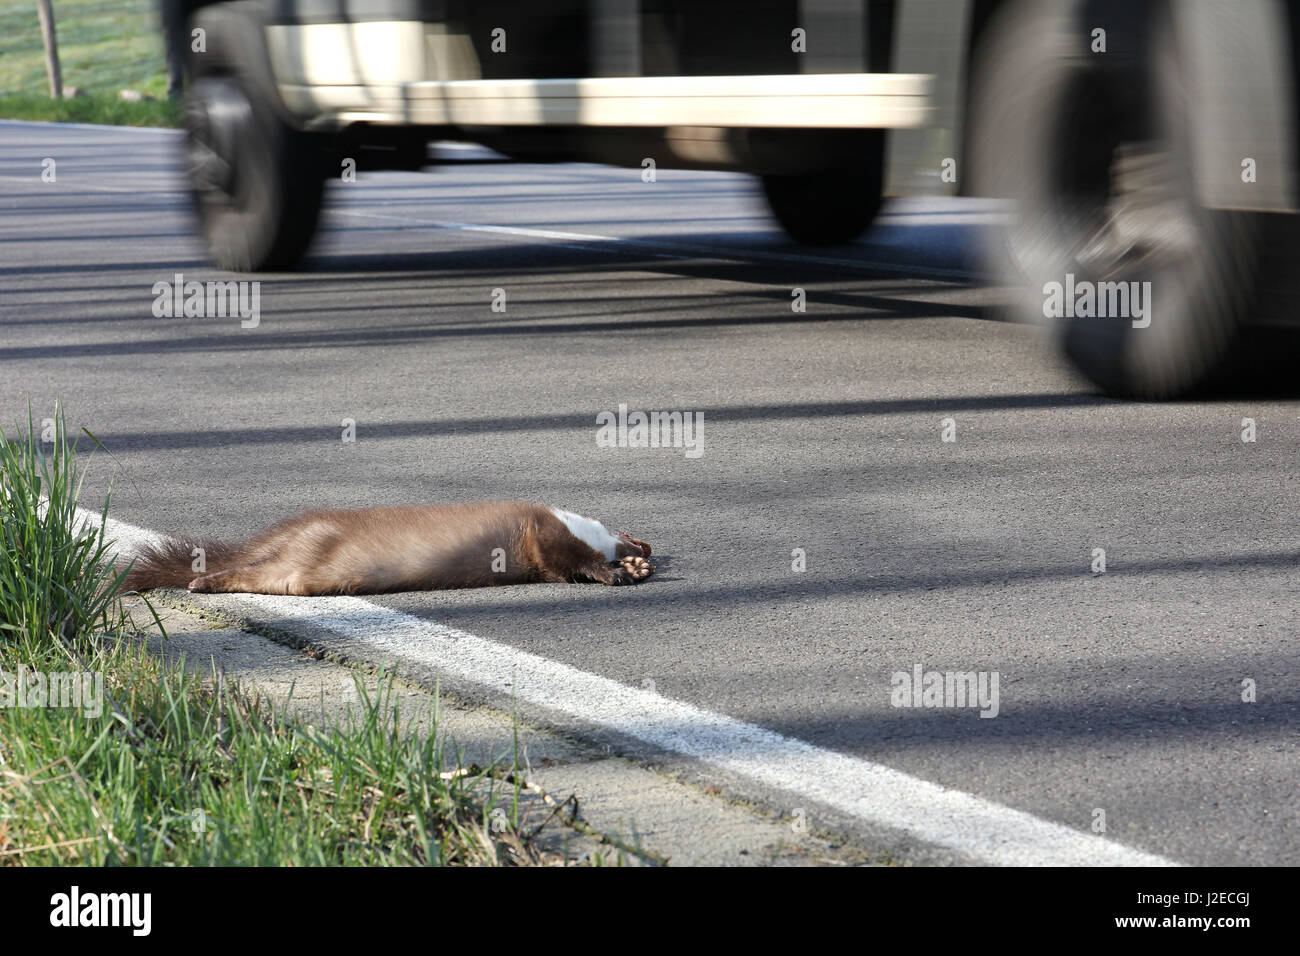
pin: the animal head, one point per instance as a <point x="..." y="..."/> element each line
<point x="614" y="545"/>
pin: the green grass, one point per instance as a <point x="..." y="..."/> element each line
<point x="179" y="772"/>
<point x="105" y="46"/>
<point x="57" y="579"/>
<point x="100" y="108"/>
<point x="176" y="769"/>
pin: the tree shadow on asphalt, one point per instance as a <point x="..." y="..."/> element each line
<point x="1263" y="371"/>
<point x="797" y="588"/>
<point x="460" y="427"/>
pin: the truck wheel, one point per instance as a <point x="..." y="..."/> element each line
<point x="829" y="206"/>
<point x="257" y="184"/>
<point x="1104" y="193"/>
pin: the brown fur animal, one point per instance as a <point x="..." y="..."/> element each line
<point x="410" y="548"/>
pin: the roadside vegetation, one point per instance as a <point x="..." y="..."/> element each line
<point x="102" y="108"/>
<point x="167" y="767"/>
<point x="105" y="46"/>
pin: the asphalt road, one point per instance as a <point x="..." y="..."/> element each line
<point x="1119" y="691"/>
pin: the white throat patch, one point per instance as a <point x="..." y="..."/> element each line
<point x="589" y="531"/>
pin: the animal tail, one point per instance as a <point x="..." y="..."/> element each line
<point x="171" y="563"/>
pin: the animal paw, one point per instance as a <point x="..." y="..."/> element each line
<point x="632" y="570"/>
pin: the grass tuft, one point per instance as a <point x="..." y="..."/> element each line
<point x="58" y="583"/>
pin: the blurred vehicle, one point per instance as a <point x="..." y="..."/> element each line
<point x="1121" y="128"/>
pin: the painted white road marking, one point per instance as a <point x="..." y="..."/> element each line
<point x="873" y="793"/>
<point x="673" y="249"/>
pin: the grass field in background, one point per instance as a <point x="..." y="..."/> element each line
<point x="105" y="46"/>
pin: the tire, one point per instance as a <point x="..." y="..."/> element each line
<point x="257" y="184"/>
<point x="1104" y="192"/>
<point x="829" y="206"/>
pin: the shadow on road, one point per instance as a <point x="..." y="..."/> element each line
<point x="445" y="427"/>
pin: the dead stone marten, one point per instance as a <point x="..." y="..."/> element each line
<point x="408" y="548"/>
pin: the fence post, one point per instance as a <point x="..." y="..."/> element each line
<point x="46" y="9"/>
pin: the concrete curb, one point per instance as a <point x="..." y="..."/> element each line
<point x="690" y="824"/>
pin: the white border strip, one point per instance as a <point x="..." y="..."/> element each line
<point x="841" y="100"/>
<point x="867" y="791"/>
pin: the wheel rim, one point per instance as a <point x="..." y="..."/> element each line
<point x="1115" y="209"/>
<point x="219" y="117"/>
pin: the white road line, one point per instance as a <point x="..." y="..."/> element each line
<point x="876" y="794"/>
<point x="675" y="250"/>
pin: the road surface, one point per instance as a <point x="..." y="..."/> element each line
<point x="1120" y="693"/>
